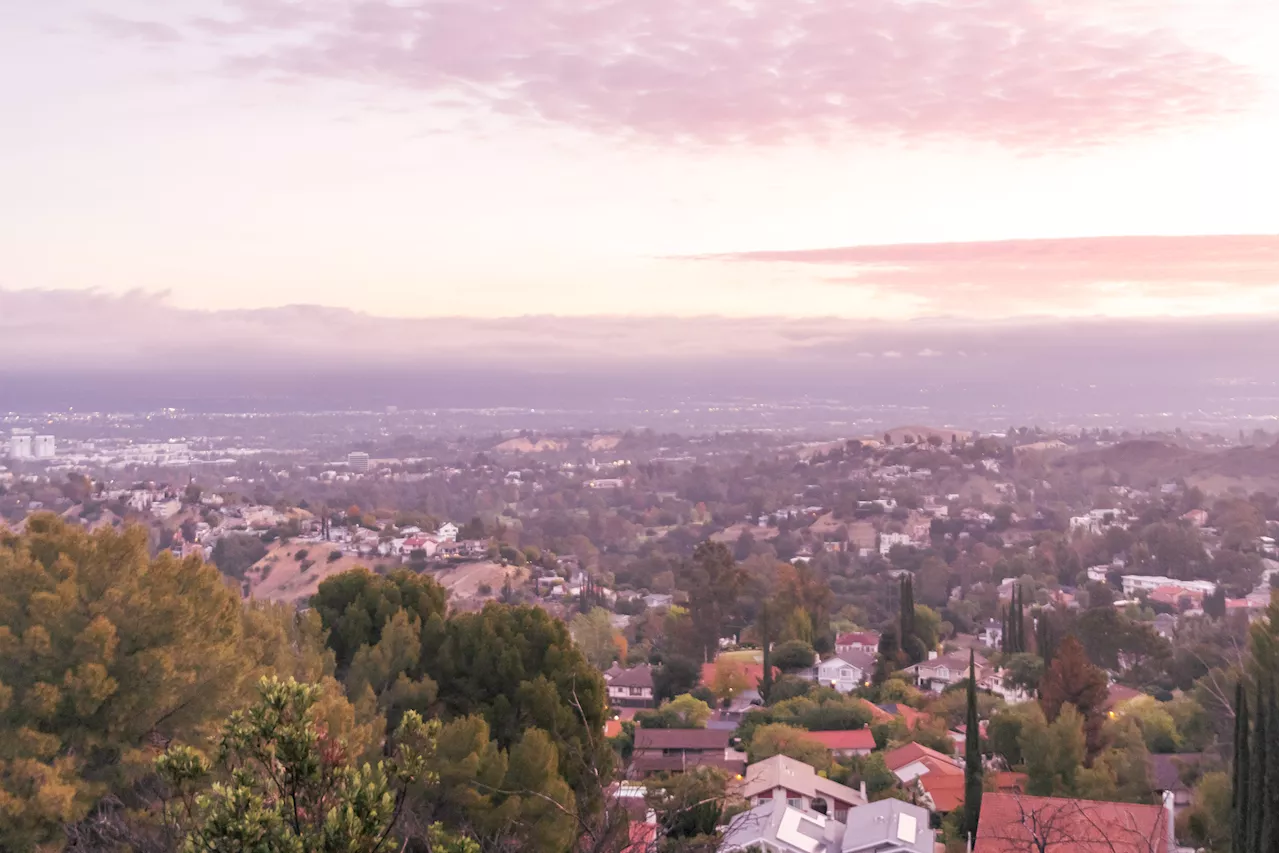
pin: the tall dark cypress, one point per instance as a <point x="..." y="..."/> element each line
<point x="1240" y="775"/>
<point x="1258" y="805"/>
<point x="766" y="639"/>
<point x="972" y="758"/>
<point x="1004" y="630"/>
<point x="1271" y="779"/>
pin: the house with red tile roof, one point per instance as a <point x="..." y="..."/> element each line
<point x="1016" y="823"/>
<point x="847" y="742"/>
<point x="913" y="760"/>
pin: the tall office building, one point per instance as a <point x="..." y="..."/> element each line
<point x="43" y="447"/>
<point x="358" y="461"/>
<point x="20" y="444"/>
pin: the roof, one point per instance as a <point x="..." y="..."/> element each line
<point x="681" y="739"/>
<point x="612" y="728"/>
<point x="637" y="676"/>
<point x="1117" y="693"/>
<point x="727" y="760"/>
<point x="849" y="739"/>
<point x="859" y="638"/>
<point x="896" y="759"/>
<point x="1009" y="781"/>
<point x="783" y="829"/>
<point x="781" y="771"/>
<point x="945" y="789"/>
<point x="1014" y="823"/>
<point x="909" y="715"/>
<point x="888" y="824"/>
<point x="1166" y="770"/>
<point x="862" y="660"/>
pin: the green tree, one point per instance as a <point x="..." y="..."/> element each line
<point x="1207" y="823"/>
<point x="355" y="606"/>
<point x="289" y="787"/>
<point x="793" y="655"/>
<point x="235" y="553"/>
<point x="1004" y="730"/>
<point x="972" y="757"/>
<point x="1240" y="760"/>
<point x="713" y="580"/>
<point x="1157" y="725"/>
<point x="1053" y="752"/>
<point x="780" y="739"/>
<point x="682" y="712"/>
<point x="594" y="633"/>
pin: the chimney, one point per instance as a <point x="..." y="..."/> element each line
<point x="862" y="789"/>
<point x="650" y="816"/>
<point x="1166" y="799"/>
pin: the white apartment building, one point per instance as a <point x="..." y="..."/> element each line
<point x="1136" y="583"/>
<point x="43" y="447"/>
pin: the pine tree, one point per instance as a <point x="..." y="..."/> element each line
<point x="1240" y="775"/>
<point x="1258" y="805"/>
<point x="972" y="758"/>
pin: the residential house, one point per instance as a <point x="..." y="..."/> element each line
<point x="938" y="673"/>
<point x="1172" y="773"/>
<point x="858" y="641"/>
<point x="676" y="750"/>
<point x="862" y="537"/>
<point x="936" y="778"/>
<point x="1016" y="823"/>
<point x="846" y="742"/>
<point x="887" y="826"/>
<point x="658" y="599"/>
<point x="448" y="531"/>
<point x="992" y="633"/>
<point x="912" y="761"/>
<point x="888" y="540"/>
<point x="784" y="778"/>
<point x="846" y="671"/>
<point x="630" y="688"/>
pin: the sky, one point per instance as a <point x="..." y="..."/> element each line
<point x="887" y="160"/>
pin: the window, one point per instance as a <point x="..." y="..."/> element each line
<point x="795" y="802"/>
<point x="846" y="673"/>
<point x="636" y="691"/>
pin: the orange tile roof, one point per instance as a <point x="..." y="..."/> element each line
<point x="612" y="728"/>
<point x="898" y="758"/>
<point x="1015" y="823"/>
<point x="849" y="739"/>
<point x="946" y="789"/>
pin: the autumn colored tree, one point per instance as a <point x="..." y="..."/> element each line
<point x="103" y="651"/>
<point x="1072" y="680"/>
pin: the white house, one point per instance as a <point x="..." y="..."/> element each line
<point x="846" y="671"/>
<point x="887" y="826"/>
<point x="630" y="688"/>
<point x="448" y="532"/>
<point x="888" y="540"/>
<point x="938" y="673"/>
<point x="785" y="778"/>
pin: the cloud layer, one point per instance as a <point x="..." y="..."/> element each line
<point x="96" y="331"/>
<point x="1030" y="75"/>
<point x="1044" y="274"/>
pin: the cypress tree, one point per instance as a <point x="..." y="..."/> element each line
<point x="1004" y="630"/>
<point x="972" y="758"/>
<point x="1258" y="805"/>
<point x="766" y="636"/>
<point x="1240" y="774"/>
<point x="1271" y="780"/>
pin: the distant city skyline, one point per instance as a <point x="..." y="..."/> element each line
<point x="882" y="159"/>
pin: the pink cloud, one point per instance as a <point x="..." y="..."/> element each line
<point x="1049" y="272"/>
<point x="1027" y="75"/>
